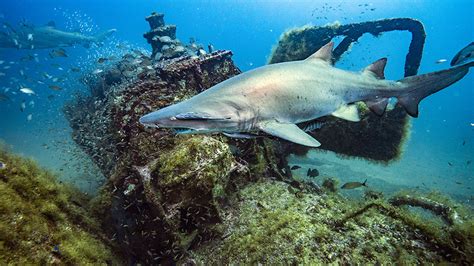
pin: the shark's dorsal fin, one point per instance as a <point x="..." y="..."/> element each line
<point x="290" y="132"/>
<point x="347" y="112"/>
<point x="377" y="68"/>
<point x="324" y="53"/>
<point x="51" y="24"/>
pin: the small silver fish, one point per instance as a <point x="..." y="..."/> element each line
<point x="46" y="75"/>
<point x="137" y="61"/>
<point x="27" y="91"/>
<point x="4" y="97"/>
<point x="23" y="106"/>
<point x="102" y="60"/>
<point x="58" y="53"/>
<point x="440" y="61"/>
<point x="3" y="165"/>
<point x="55" y="87"/>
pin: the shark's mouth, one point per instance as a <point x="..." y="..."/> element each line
<point x="178" y="130"/>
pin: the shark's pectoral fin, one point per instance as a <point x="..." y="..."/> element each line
<point x="290" y="132"/>
<point x="348" y="112"/>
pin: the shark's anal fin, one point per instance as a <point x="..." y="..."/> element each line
<point x="347" y="112"/>
<point x="290" y="132"/>
<point x="377" y="106"/>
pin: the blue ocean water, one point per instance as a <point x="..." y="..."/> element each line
<point x="441" y="141"/>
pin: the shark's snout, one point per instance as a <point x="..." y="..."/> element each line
<point x="161" y="118"/>
<point x="151" y="119"/>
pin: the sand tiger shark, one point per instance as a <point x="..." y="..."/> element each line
<point x="275" y="98"/>
<point x="30" y="37"/>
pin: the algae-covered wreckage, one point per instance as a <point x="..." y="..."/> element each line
<point x="43" y="221"/>
<point x="210" y="199"/>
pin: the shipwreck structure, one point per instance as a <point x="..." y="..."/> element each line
<point x="163" y="41"/>
<point x="211" y="199"/>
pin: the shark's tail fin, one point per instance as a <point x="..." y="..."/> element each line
<point x="104" y="35"/>
<point x="463" y="56"/>
<point x="421" y="86"/>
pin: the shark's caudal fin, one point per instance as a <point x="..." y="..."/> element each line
<point x="421" y="86"/>
<point x="464" y="56"/>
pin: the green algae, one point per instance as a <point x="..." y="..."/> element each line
<point x="44" y="221"/>
<point x="274" y="226"/>
<point x="330" y="184"/>
<point x="201" y="161"/>
<point x="280" y="221"/>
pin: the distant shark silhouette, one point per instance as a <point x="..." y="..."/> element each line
<point x="30" y="37"/>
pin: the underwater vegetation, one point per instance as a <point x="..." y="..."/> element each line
<point x="272" y="224"/>
<point x="44" y="221"/>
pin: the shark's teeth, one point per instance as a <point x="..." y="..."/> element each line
<point x="151" y="126"/>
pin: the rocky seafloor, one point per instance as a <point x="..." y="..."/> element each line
<point x="209" y="199"/>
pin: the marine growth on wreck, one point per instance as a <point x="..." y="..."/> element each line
<point x="196" y="199"/>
